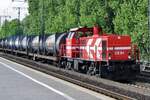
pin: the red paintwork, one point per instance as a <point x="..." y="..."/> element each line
<point x="117" y="47"/>
<point x="121" y="47"/>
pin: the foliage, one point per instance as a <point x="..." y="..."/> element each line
<point x="10" y="28"/>
<point x="131" y="18"/>
<point x="114" y="16"/>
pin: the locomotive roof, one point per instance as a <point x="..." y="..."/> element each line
<point x="82" y="29"/>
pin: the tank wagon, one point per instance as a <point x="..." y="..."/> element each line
<point x="86" y="50"/>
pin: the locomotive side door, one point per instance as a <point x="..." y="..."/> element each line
<point x="104" y="50"/>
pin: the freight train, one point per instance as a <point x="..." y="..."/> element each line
<point x="86" y="50"/>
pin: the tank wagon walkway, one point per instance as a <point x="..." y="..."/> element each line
<point x="18" y="82"/>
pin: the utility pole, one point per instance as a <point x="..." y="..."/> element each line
<point x="42" y="19"/>
<point x="19" y="13"/>
<point x="42" y="27"/>
<point x="78" y="12"/>
<point x="19" y="8"/>
<point x="149" y="30"/>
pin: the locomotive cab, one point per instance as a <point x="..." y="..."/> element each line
<point x="87" y="44"/>
<point x="73" y="41"/>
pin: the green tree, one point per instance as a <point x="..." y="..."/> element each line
<point x="114" y="16"/>
<point x="10" y="28"/>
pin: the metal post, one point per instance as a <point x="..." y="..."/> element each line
<point x="42" y="29"/>
<point x="42" y="19"/>
<point x="78" y="12"/>
<point x="19" y="13"/>
<point x="148" y="29"/>
<point x="19" y="9"/>
<point x="0" y="21"/>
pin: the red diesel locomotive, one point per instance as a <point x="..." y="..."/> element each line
<point x="91" y="51"/>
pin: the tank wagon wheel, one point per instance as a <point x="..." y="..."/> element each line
<point x="59" y="64"/>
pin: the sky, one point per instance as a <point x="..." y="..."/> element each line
<point x="7" y="7"/>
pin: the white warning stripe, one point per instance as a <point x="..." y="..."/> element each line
<point x="82" y="47"/>
<point x="122" y="48"/>
<point x="119" y="48"/>
<point x="110" y="48"/>
<point x="98" y="47"/>
<point x="72" y="47"/>
<point x="89" y="43"/>
<point x="97" y="43"/>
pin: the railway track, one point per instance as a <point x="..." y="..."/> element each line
<point x="144" y="77"/>
<point x="107" y="87"/>
<point x="142" y="81"/>
<point x="140" y="85"/>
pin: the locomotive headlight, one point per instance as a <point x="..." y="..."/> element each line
<point x="129" y="55"/>
<point x="109" y="56"/>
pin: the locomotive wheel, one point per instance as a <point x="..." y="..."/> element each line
<point x="83" y="69"/>
<point x="92" y="69"/>
<point x="62" y="64"/>
<point x="69" y="66"/>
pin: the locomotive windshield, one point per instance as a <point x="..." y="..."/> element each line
<point x="79" y="34"/>
<point x="71" y="35"/>
<point x="75" y="35"/>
